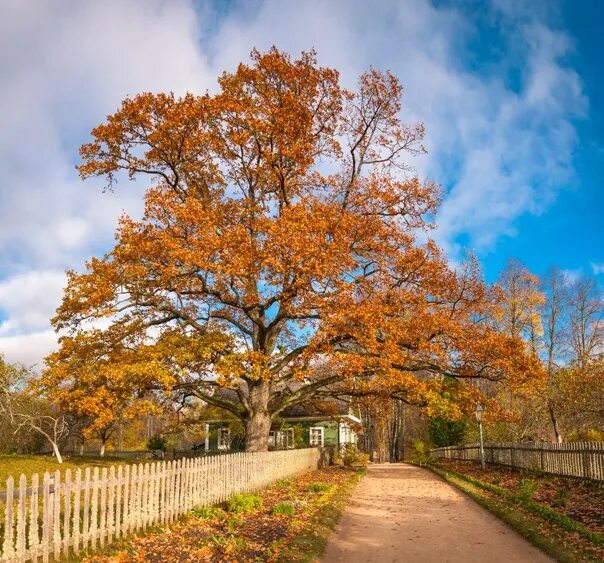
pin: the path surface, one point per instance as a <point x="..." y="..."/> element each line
<point x="404" y="513"/>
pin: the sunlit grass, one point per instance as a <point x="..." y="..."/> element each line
<point x="27" y="465"/>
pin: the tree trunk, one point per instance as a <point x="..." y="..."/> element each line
<point x="55" y="450"/>
<point x="258" y="419"/>
<point x="102" y="452"/>
<point x="397" y="430"/>
<point x="555" y="424"/>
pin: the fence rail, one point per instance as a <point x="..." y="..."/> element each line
<point x="577" y="459"/>
<point x="151" y="455"/>
<point x="67" y="514"/>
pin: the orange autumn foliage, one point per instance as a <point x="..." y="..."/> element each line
<point x="278" y="254"/>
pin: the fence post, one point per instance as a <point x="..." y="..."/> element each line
<point x="66" y="512"/>
<point x="33" y="518"/>
<point x="77" y="490"/>
<point x="7" y="546"/>
<point x="21" y="517"/>
<point x="46" y="515"/>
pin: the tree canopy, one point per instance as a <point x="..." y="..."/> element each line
<point x="283" y="253"/>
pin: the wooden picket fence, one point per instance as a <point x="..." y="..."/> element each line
<point x="575" y="459"/>
<point x="70" y="513"/>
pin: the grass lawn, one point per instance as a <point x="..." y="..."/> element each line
<point x="16" y="465"/>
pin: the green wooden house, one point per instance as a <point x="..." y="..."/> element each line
<point x="300" y="426"/>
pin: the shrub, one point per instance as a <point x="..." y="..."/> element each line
<point x="207" y="512"/>
<point x="245" y="502"/>
<point x="349" y="454"/>
<point x="420" y="452"/>
<point x="318" y="487"/>
<point x="527" y="488"/>
<point x="227" y="544"/>
<point x="286" y="508"/>
<point x="157" y="443"/>
<point x="283" y="483"/>
<point x="233" y="522"/>
<point x="445" y="432"/>
<point x="561" y="497"/>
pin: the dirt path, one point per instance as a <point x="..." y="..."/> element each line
<point x="404" y="513"/>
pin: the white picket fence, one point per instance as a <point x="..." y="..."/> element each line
<point x="78" y="511"/>
<point x="574" y="459"/>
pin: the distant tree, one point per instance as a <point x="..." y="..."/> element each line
<point x="522" y="303"/>
<point x="555" y="325"/>
<point x="586" y="322"/>
<point x="22" y="404"/>
<point x="444" y="432"/>
<point x="99" y="385"/>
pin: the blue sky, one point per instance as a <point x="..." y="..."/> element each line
<point x="569" y="233"/>
<point x="510" y="92"/>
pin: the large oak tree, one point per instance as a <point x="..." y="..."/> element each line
<point x="278" y="254"/>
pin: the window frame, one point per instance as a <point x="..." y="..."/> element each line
<point x="221" y="443"/>
<point x="310" y="436"/>
<point x="284" y="439"/>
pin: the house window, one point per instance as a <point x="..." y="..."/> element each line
<point x="316" y="436"/>
<point x="285" y="438"/>
<point x="224" y="439"/>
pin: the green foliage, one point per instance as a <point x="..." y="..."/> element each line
<point x="283" y="483"/>
<point x="589" y="435"/>
<point x="308" y="544"/>
<point x="299" y="437"/>
<point x="527" y="489"/>
<point x="318" y="487"/>
<point x="349" y="454"/>
<point x="445" y="432"/>
<point x="420" y="452"/>
<point x="245" y="502"/>
<point x="561" y="497"/>
<point x="157" y="443"/>
<point x="233" y="522"/>
<point x="207" y="512"/>
<point x="227" y="544"/>
<point x="285" y="508"/>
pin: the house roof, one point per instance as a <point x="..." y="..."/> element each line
<point x="312" y="409"/>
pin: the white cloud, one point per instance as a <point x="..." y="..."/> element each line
<point x="571" y="276"/>
<point x="502" y="151"/>
<point x="29" y="300"/>
<point x="28" y="349"/>
<point x="597" y="268"/>
<point x="64" y="67"/>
